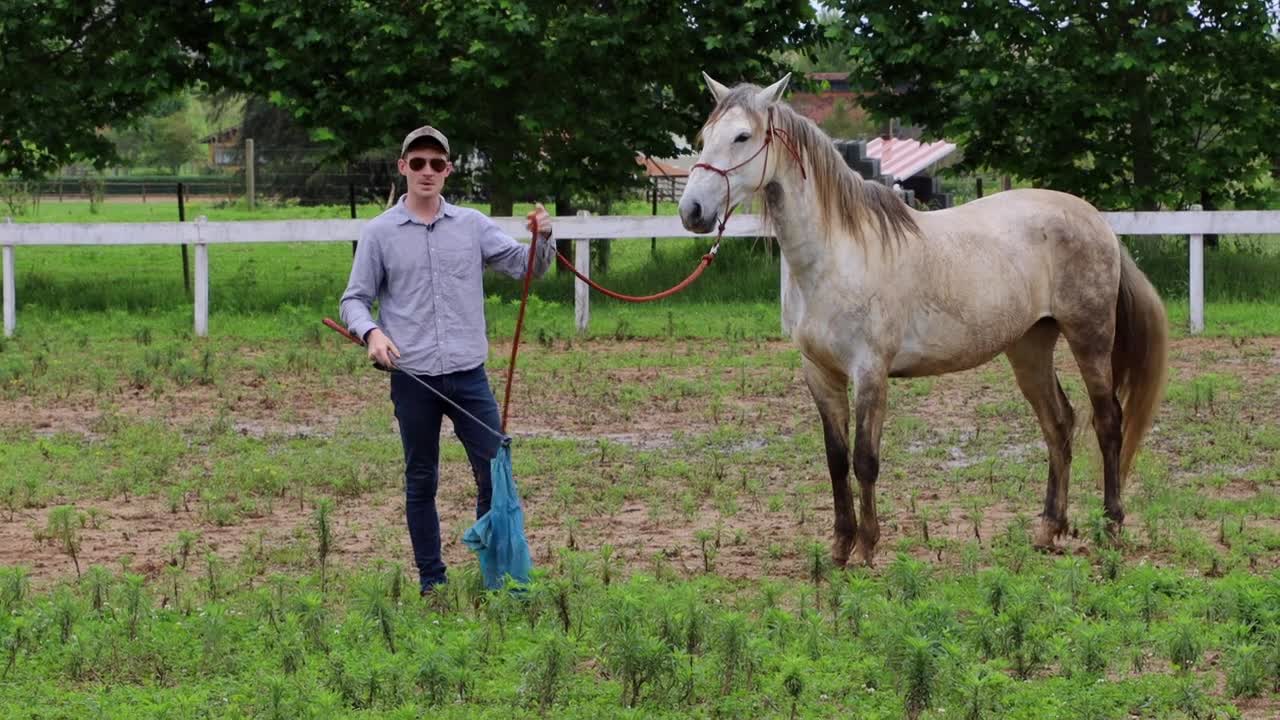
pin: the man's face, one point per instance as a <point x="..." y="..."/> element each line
<point x="425" y="169"/>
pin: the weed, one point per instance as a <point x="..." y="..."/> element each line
<point x="63" y="528"/>
<point x="324" y="537"/>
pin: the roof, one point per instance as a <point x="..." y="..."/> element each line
<point x="222" y="136"/>
<point x="657" y="168"/>
<point x="818" y="106"/>
<point x="903" y="158"/>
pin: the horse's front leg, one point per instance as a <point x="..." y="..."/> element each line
<point x="872" y="389"/>
<point x="830" y="393"/>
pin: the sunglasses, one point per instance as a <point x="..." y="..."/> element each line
<point x="437" y="164"/>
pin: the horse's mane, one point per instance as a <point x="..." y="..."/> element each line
<point x="850" y="203"/>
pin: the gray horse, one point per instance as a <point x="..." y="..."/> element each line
<point x="878" y="290"/>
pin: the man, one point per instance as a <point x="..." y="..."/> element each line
<point x="422" y="260"/>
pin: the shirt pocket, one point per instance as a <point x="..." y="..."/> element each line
<point x="461" y="266"/>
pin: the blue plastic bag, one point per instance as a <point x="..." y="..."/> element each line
<point x="498" y="537"/>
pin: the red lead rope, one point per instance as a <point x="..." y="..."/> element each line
<point x="706" y="260"/>
<point x="515" y="342"/>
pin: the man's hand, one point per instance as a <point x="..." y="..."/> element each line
<point x="543" y="219"/>
<point x="381" y="349"/>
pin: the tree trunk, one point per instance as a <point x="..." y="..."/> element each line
<point x="501" y="200"/>
<point x="564" y="208"/>
<point x="1206" y="203"/>
<point x="501" y="196"/>
<point x="1141" y="141"/>
<point x="602" y="249"/>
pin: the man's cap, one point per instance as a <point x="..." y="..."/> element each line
<point x="426" y="131"/>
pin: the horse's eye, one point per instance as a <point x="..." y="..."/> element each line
<point x="742" y="138"/>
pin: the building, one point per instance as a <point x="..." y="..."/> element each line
<point x="224" y="148"/>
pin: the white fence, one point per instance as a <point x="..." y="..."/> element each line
<point x="201" y="234"/>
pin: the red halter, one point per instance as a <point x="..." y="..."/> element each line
<point x="770" y="132"/>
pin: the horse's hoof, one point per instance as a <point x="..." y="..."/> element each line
<point x="1047" y="534"/>
<point x="840" y="548"/>
<point x="1115" y="533"/>
<point x="1051" y="549"/>
<point x="864" y="555"/>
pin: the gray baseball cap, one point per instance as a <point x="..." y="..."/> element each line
<point x="426" y="131"/>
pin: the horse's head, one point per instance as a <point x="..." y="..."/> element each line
<point x="734" y="161"/>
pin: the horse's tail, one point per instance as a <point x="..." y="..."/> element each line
<point x="1139" y="357"/>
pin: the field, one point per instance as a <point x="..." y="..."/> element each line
<point x="214" y="528"/>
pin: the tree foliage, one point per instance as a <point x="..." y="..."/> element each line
<point x="1131" y="104"/>
<point x="166" y="137"/>
<point x="69" y="69"/>
<point x="558" y="99"/>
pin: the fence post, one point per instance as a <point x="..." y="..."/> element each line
<point x="1196" y="280"/>
<point x="249" y="167"/>
<point x="653" y="241"/>
<point x="351" y="197"/>
<point x="10" y="292"/>
<point x="581" y="291"/>
<point x="202" y="280"/>
<point x="186" y="264"/>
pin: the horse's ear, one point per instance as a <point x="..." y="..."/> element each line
<point x="773" y="93"/>
<point x="718" y="91"/>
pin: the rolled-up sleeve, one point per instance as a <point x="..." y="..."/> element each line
<point x="367" y="274"/>
<point x="509" y="257"/>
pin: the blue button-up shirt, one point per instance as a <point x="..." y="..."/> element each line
<point x="427" y="279"/>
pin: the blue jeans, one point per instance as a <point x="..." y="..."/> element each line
<point x="419" y="412"/>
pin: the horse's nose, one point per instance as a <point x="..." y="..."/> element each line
<point x="692" y="215"/>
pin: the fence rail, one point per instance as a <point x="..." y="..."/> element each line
<point x="1195" y="224"/>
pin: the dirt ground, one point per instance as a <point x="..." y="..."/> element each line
<point x="371" y="527"/>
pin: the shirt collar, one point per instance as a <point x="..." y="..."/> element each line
<point x="447" y="209"/>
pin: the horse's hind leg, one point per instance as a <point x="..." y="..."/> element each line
<point x="1032" y="359"/>
<point x="830" y="393"/>
<point x="1091" y="345"/>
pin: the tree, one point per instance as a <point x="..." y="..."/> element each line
<point x="69" y="69"/>
<point x="163" y="137"/>
<point x="557" y="102"/>
<point x="1131" y="104"/>
<point x="174" y="142"/>
<point x="824" y="53"/>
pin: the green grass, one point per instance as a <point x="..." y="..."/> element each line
<point x="654" y="626"/>
<point x="1066" y="643"/>
<point x="1243" y="268"/>
<point x="1227" y="318"/>
<point x="262" y="278"/>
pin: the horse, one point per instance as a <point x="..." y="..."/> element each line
<point x="878" y="290"/>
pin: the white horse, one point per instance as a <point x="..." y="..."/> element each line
<point x="879" y="290"/>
